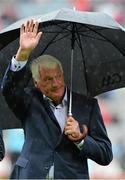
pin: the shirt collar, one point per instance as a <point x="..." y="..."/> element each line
<point x="64" y="100"/>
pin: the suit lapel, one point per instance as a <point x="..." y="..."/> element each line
<point x="49" y="111"/>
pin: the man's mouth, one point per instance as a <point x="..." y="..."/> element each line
<point x="55" y="90"/>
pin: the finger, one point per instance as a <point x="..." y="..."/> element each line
<point x="75" y="135"/>
<point x="27" y="26"/>
<point x="68" y="123"/>
<point x="39" y="36"/>
<point x="73" y="138"/>
<point x="69" y="119"/>
<point x="31" y="25"/>
<point x="68" y="132"/>
<point x="22" y="29"/>
<point x="68" y="128"/>
<point x="73" y="122"/>
<point x="85" y="131"/>
<point x="35" y="28"/>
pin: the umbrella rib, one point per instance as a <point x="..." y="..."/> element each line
<point x="66" y="28"/>
<point x="62" y="29"/>
<point x="61" y="38"/>
<point x="54" y="32"/>
<point x="92" y="37"/>
<point x="51" y="42"/>
<point x="104" y="38"/>
<point x="78" y="40"/>
<point x="80" y="32"/>
<point x="54" y="38"/>
<point x="87" y="30"/>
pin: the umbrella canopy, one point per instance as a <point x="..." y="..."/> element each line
<point x="92" y="42"/>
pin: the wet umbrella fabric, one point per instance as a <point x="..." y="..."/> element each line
<point x="93" y="42"/>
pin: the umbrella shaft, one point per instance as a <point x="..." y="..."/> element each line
<point x="71" y="82"/>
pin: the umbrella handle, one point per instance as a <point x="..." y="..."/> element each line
<point x="70" y="104"/>
<point x="69" y="114"/>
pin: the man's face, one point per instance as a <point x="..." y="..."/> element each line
<point x="51" y="83"/>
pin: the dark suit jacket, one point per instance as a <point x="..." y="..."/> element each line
<point x="2" y="150"/>
<point x="44" y="141"/>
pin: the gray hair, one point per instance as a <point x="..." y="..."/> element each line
<point x="46" y="61"/>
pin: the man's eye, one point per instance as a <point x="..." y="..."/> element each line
<point x="48" y="79"/>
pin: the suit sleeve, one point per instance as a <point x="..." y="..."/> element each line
<point x="97" y="145"/>
<point x="14" y="90"/>
<point x="2" y="149"/>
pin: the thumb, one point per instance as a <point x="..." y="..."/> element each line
<point x="39" y="36"/>
<point x="84" y="131"/>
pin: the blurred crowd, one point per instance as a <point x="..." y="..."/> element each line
<point x="12" y="10"/>
<point x="111" y="104"/>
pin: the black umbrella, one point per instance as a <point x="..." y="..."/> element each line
<point x="89" y="45"/>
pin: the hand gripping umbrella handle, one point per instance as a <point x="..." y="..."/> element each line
<point x="83" y="134"/>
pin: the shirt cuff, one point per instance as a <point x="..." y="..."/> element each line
<point x="80" y="144"/>
<point x="17" y="65"/>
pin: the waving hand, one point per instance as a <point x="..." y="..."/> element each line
<point x="29" y="39"/>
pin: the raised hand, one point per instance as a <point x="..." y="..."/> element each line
<point x="72" y="130"/>
<point x="29" y="39"/>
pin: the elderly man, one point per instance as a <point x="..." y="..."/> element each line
<point x="55" y="144"/>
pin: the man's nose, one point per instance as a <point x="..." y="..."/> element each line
<point x="55" y="82"/>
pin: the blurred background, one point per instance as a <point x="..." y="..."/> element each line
<point x="112" y="104"/>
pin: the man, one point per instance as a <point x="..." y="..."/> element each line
<point x="2" y="150"/>
<point x="55" y="144"/>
